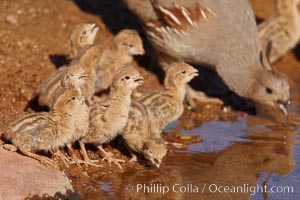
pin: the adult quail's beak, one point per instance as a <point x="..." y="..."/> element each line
<point x="283" y="106"/>
<point x="139" y="80"/>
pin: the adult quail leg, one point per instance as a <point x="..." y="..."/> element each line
<point x="43" y="160"/>
<point x="87" y="161"/>
<point x="109" y="158"/>
<point x="191" y="94"/>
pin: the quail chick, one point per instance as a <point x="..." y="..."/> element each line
<point x="46" y="131"/>
<point x="220" y="34"/>
<point x="140" y="136"/>
<point x="83" y="35"/>
<point x="81" y="113"/>
<point x="81" y="38"/>
<point x="74" y="76"/>
<point x="109" y="117"/>
<point x="166" y="105"/>
<point x="126" y="44"/>
<point x="88" y="61"/>
<point x="283" y="29"/>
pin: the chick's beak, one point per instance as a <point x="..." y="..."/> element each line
<point x="95" y="27"/>
<point x="83" y="76"/>
<point x="139" y="80"/>
<point x="283" y="106"/>
<point x="194" y="73"/>
<point x="142" y="52"/>
<point x="156" y="163"/>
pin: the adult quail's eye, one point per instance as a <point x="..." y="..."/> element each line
<point x="127" y="77"/>
<point x="269" y="90"/>
<point x="83" y="32"/>
<point x="130" y="45"/>
<point x="183" y="72"/>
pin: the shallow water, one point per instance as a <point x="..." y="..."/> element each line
<point x="234" y="160"/>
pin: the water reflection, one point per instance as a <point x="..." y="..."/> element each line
<point x="252" y="153"/>
<point x="238" y="150"/>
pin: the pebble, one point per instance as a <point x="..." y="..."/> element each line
<point x="11" y="19"/>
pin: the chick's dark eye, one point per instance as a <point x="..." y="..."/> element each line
<point x="83" y="32"/>
<point x="130" y="45"/>
<point x="73" y="98"/>
<point x="269" y="90"/>
<point x="127" y="77"/>
<point x="183" y="72"/>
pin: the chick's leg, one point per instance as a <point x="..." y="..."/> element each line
<point x="59" y="154"/>
<point x="109" y="158"/>
<point x="75" y="159"/>
<point x="132" y="154"/>
<point x="43" y="160"/>
<point x="87" y="160"/>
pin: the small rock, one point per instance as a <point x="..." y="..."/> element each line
<point x="21" y="177"/>
<point x="19" y="12"/>
<point x="64" y="25"/>
<point x="31" y="10"/>
<point x="11" y="19"/>
<point x="46" y="11"/>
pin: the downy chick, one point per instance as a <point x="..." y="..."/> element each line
<point x="109" y="117"/>
<point x="283" y="29"/>
<point x="166" y="105"/>
<point x="73" y="77"/>
<point x="126" y="44"/>
<point x="81" y="113"/>
<point x="46" y="131"/>
<point x="82" y="36"/>
<point x="141" y="137"/>
<point x="88" y="61"/>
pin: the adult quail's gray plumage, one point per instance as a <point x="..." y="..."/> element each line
<point x="221" y="34"/>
